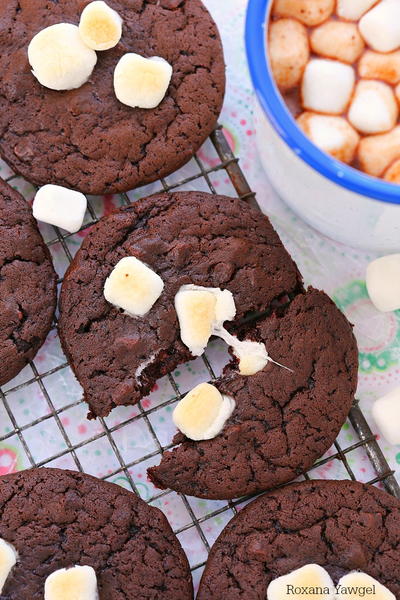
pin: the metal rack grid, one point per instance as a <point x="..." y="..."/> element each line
<point x="367" y="441"/>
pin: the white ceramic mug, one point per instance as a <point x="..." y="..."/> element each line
<point x="338" y="200"/>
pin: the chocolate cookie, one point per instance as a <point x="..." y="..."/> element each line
<point x="339" y="525"/>
<point x="284" y="420"/>
<point x="58" y="519"/>
<point x="187" y="237"/>
<point x="27" y="285"/>
<point x="85" y="139"/>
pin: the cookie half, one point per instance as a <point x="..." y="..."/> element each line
<point x="284" y="419"/>
<point x="85" y="139"/>
<point x="58" y="519"/>
<point x="342" y="526"/>
<point x="28" y="285"/>
<point x="186" y="238"/>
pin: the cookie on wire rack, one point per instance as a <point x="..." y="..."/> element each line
<point x="55" y="519"/>
<point x="28" y="284"/>
<point x="341" y="526"/>
<point x="85" y="138"/>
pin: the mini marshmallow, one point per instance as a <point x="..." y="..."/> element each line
<point x="8" y="559"/>
<point x="333" y="135"/>
<point x="201" y="313"/>
<point x="337" y="40"/>
<point x="383" y="282"/>
<point x="309" y="12"/>
<point x="352" y="10"/>
<point x="60" y="206"/>
<point x="288" y="52"/>
<point x="380" y="27"/>
<point x="392" y="174"/>
<point x="141" y="82"/>
<point x="374" y="108"/>
<point x="375" y="65"/>
<point x="377" y="152"/>
<point x="59" y="58"/>
<point x="133" y="286"/>
<point x="350" y="588"/>
<point x="76" y="583"/>
<point x="203" y="412"/>
<point x="100" y="26"/>
<point x="310" y="576"/>
<point x="386" y="412"/>
<point x="327" y="86"/>
<point x="253" y="357"/>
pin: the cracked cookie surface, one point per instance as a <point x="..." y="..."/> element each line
<point x="186" y="237"/>
<point x="284" y="420"/>
<point x="58" y="519"/>
<point x="339" y="525"/>
<point x="85" y="139"/>
<point x="27" y="285"/>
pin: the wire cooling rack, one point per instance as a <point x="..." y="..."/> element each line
<point x="193" y="530"/>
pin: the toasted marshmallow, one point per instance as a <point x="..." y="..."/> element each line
<point x="60" y="206"/>
<point x="76" y="583"/>
<point x="59" y="58"/>
<point x="100" y="26"/>
<point x="8" y="559"/>
<point x="351" y="586"/>
<point x="377" y="152"/>
<point x="333" y="135"/>
<point x="133" y="286"/>
<point x="397" y="92"/>
<point x="253" y="357"/>
<point x="309" y="12"/>
<point x="386" y="412"/>
<point x="337" y="40"/>
<point x="327" y="86"/>
<point x="203" y="412"/>
<point x="141" y="82"/>
<point x="392" y="174"/>
<point x="352" y="10"/>
<point x="375" y="65"/>
<point x="380" y="27"/>
<point x="383" y="282"/>
<point x="308" y="577"/>
<point x="201" y="313"/>
<point x="288" y="52"/>
<point x="374" y="108"/>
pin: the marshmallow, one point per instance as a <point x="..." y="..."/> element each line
<point x="288" y="52"/>
<point x="354" y="585"/>
<point x="60" y="206"/>
<point x="309" y="12"/>
<point x="397" y="92"/>
<point x="374" y="65"/>
<point x="327" y="86"/>
<point x="141" y="82"/>
<point x="383" y="282"/>
<point x="352" y="10"/>
<point x="203" y="412"/>
<point x="8" y="558"/>
<point x="392" y="174"/>
<point x="386" y="412"/>
<point x="333" y="135"/>
<point x="380" y="27"/>
<point x="338" y="40"/>
<point x="377" y="152"/>
<point x="59" y="58"/>
<point x="374" y="108"/>
<point x="133" y="286"/>
<point x="253" y="357"/>
<point x="309" y="577"/>
<point x="100" y="26"/>
<point x="201" y="313"/>
<point x="76" y="583"/>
